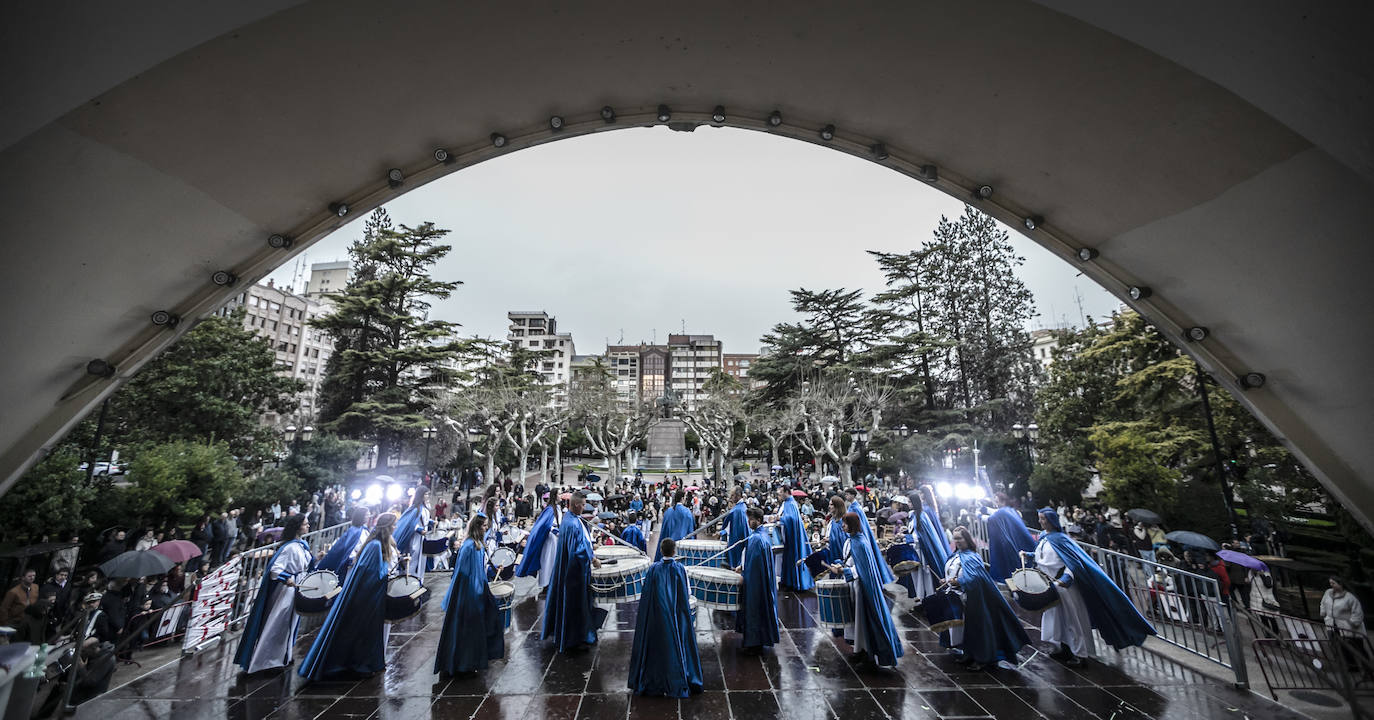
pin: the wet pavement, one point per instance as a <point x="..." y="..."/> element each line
<point x="806" y="676"/>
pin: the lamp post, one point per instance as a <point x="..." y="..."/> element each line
<point x="474" y="437"/>
<point x="428" y="434"/>
<point x="859" y="436"/>
<point x="1226" y="496"/>
<point x="1025" y="437"/>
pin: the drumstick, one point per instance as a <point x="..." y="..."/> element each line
<point x="619" y="540"/>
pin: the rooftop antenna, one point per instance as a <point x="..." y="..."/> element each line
<point x="684" y="326"/>
<point x="622" y="337"/>
<point x="1078" y="298"/>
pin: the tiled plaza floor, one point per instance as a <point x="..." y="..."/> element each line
<point x="806" y="676"/>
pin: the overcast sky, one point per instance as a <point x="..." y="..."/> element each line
<point x="645" y="231"/>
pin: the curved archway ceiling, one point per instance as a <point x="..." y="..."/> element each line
<point x="148" y="146"/>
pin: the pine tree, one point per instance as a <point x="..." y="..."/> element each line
<point x="390" y="360"/>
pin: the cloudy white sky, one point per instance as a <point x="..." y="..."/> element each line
<point x="637" y="233"/>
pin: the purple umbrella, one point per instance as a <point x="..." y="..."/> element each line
<point x="273" y="533"/>
<point x="1243" y="560"/>
<point x="898" y="518"/>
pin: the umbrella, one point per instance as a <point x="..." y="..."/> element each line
<point x="740" y="477"/>
<point x="616" y="496"/>
<point x="901" y="500"/>
<point x="384" y="478"/>
<point x="595" y="497"/>
<point x="270" y="533"/>
<point x="607" y="516"/>
<point x="861" y="488"/>
<point x="177" y="550"/>
<point x="545" y="497"/>
<point x="1141" y="515"/>
<point x="1192" y="539"/>
<point x="830" y="479"/>
<point x="136" y="563"/>
<point x="777" y="467"/>
<point x="1243" y="560"/>
<point x="798" y="493"/>
<point x="690" y="488"/>
<point x="565" y="496"/>
<point x="591" y="477"/>
<point x="898" y="518"/>
<point x="652" y="480"/>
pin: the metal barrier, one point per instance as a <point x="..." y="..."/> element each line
<point x="1339" y="664"/>
<point x="254" y="564"/>
<point x="1186" y="610"/>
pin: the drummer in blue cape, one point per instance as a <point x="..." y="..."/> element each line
<point x="1088" y="599"/>
<point x="664" y="659"/>
<point x="571" y="617"/>
<point x="757" y="617"/>
<point x="870" y="631"/>
<point x="473" y="633"/>
<point x="990" y="632"/>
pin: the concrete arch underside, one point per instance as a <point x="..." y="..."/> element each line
<point x="1219" y="155"/>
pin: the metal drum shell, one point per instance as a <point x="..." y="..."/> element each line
<point x="307" y="602"/>
<point x="398" y="607"/>
<point x="834" y="603"/>
<point x="716" y="588"/>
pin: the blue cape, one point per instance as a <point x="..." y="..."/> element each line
<point x="992" y="631"/>
<point x="473" y="632"/>
<point x="664" y="660"/>
<point x="884" y="572"/>
<point x="877" y="615"/>
<point x="938" y="526"/>
<point x="677" y="524"/>
<point x="534" y="545"/>
<point x="757" y="619"/>
<point x="835" y="549"/>
<point x="266" y="590"/>
<point x="1111" y="612"/>
<point x="351" y="638"/>
<point x="1007" y="539"/>
<point x="634" y="536"/>
<point x="736" y="529"/>
<point x="794" y="548"/>
<point x="934" y="552"/>
<point x="570" y="617"/>
<point x="406" y="525"/>
<point x="337" y="558"/>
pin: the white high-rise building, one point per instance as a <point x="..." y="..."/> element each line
<point x="693" y="359"/>
<point x="282" y="318"/>
<point x="327" y="277"/>
<point x="537" y="331"/>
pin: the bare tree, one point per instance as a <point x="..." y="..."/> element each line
<point x="778" y="426"/>
<point x="612" y="424"/>
<point x="721" y="421"/>
<point x="835" y="405"/>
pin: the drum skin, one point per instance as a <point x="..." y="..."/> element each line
<point x="1033" y="590"/>
<point x="316" y="592"/>
<point x="404" y="596"/>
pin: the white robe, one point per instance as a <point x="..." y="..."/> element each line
<point x="279" y="627"/>
<point x="857" y="632"/>
<point x="548" y="553"/>
<point x="953" y="567"/>
<point x="1068" y="622"/>
<point x="924" y="577"/>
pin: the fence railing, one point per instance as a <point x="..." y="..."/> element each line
<point x="1339" y="663"/>
<point x="1186" y="609"/>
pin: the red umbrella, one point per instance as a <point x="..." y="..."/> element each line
<point x="689" y="488"/>
<point x="860" y="488"/>
<point x="798" y="493"/>
<point x="177" y="550"/>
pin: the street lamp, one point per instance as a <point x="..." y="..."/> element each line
<point x="428" y="434"/>
<point x="474" y="437"/>
<point x="905" y="431"/>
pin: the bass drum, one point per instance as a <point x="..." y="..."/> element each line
<point x="316" y="592"/>
<point x="405" y="595"/>
<point x="1032" y="589"/>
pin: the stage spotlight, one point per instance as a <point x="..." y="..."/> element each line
<point x="162" y="317"/>
<point x="442" y="155"/>
<point x="223" y="277"/>
<point x="1086" y="254"/>
<point x="100" y="368"/>
<point x="394" y="177"/>
<point x="718" y="115"/>
<point x="774" y="119"/>
<point x="1139" y="292"/>
<point x="828" y="133"/>
<point x="1197" y="333"/>
<point x="1033" y="222"/>
<point x="944" y="489"/>
<point x="278" y="242"/>
<point x="1251" y="381"/>
<point x="340" y="209"/>
<point x="556" y="123"/>
<point x="356" y="495"/>
<point x="982" y="192"/>
<point x="879" y="151"/>
<point x="498" y="140"/>
<point x="664" y="114"/>
<point x="608" y="114"/>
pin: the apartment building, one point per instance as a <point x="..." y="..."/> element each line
<point x="692" y="360"/>
<point x="536" y="330"/>
<point x="281" y="317"/>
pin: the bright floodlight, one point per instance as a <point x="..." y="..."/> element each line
<point x="393" y="492"/>
<point x="979" y="492"/>
<point x="356" y="494"/>
<point x="963" y="491"/>
<point x="374" y="493"/>
<point x="945" y="489"/>
<point x="410" y="492"/>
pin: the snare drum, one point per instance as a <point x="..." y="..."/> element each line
<point x="504" y="593"/>
<point x="716" y="588"/>
<point x="621" y="582"/>
<point x="818" y="562"/>
<point x="695" y="552"/>
<point x="435" y="543"/>
<point x="316" y="591"/>
<point x="902" y="558"/>
<point x="405" y="594"/>
<point x="502" y="564"/>
<point x="943" y="611"/>
<point x="615" y="553"/>
<point x="835" y="603"/>
<point x="1032" y="589"/>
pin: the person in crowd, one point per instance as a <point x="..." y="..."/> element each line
<point x="410" y="533"/>
<point x="32" y="625"/>
<point x="1087" y="599"/>
<point x="1218" y="568"/>
<point x="60" y="588"/>
<point x="633" y="534"/>
<point x="231" y="534"/>
<point x="270" y="632"/>
<point x="677" y="521"/>
<point x="541" y="545"/>
<point x="202" y="535"/>
<point x="1344" y="618"/>
<point x="114" y="614"/>
<point x="1158" y="540"/>
<point x="991" y="632"/>
<point x="757" y="619"/>
<point x="162" y="595"/>
<point x="342" y="554"/>
<point x="473" y="633"/>
<point x="352" y="640"/>
<point x="147" y="541"/>
<point x="113" y="547"/>
<point x="1007" y="539"/>
<point x="21" y="595"/>
<point x="1140" y="542"/>
<point x="571" y="619"/>
<point x="884" y="572"/>
<point x="664" y="658"/>
<point x="837" y="537"/>
<point x="872" y="634"/>
<point x="795" y="547"/>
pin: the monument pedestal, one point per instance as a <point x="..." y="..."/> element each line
<point x="667" y="445"/>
